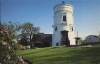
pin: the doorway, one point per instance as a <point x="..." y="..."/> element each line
<point x="64" y="38"/>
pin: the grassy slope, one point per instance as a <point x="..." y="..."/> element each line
<point x="62" y="55"/>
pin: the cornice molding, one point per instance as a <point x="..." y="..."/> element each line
<point x="63" y="11"/>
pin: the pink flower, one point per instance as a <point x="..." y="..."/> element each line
<point x="4" y="43"/>
<point x="5" y="31"/>
<point x="1" y="32"/>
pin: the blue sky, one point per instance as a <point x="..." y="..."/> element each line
<point x="40" y="13"/>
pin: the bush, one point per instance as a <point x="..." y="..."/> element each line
<point x="7" y="47"/>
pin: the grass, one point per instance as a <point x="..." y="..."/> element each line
<point x="62" y="55"/>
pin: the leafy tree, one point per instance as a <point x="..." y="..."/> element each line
<point x="13" y="29"/>
<point x="23" y="39"/>
<point x="81" y="41"/>
<point x="29" y="29"/>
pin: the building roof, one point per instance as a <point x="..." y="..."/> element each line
<point x="97" y="36"/>
<point x="44" y="35"/>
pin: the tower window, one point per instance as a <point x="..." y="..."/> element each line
<point x="56" y="28"/>
<point x="72" y="28"/>
<point x="64" y="18"/>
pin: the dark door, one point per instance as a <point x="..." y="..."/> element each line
<point x="65" y="39"/>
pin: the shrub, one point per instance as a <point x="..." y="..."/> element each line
<point x="7" y="47"/>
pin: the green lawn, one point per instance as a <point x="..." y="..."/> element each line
<point x="62" y="55"/>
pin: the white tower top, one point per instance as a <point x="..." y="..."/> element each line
<point x="63" y="6"/>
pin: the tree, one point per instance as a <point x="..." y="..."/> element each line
<point x="82" y="41"/>
<point x="23" y="40"/>
<point x="13" y="29"/>
<point x="29" y="29"/>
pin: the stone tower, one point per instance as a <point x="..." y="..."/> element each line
<point x="63" y="28"/>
